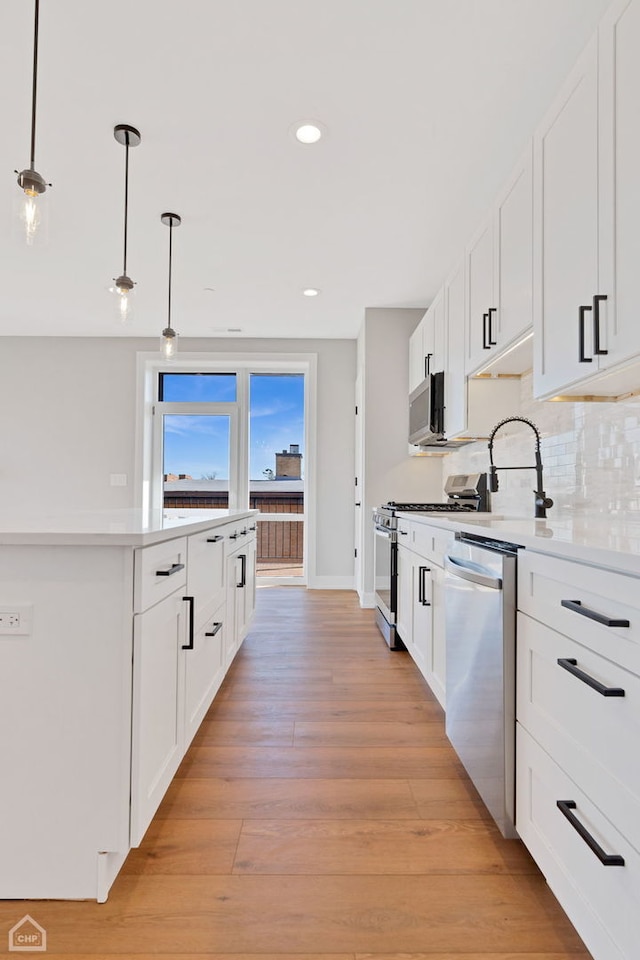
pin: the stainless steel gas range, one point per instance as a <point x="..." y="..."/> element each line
<point x="465" y="493"/>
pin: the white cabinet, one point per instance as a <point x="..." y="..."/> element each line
<point x="587" y="203"/>
<point x="500" y="271"/>
<point x="566" y="229"/>
<point x="472" y="405"/>
<point x="420" y="619"/>
<point x="480" y="297"/>
<point x="578" y="723"/>
<point x="427" y="344"/>
<point x="513" y="258"/>
<point x="158" y="706"/>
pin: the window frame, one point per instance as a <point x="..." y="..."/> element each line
<point x="148" y="472"/>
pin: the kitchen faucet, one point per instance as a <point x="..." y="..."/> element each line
<point x="542" y="501"/>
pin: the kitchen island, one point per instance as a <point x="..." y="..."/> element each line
<point x="116" y="630"/>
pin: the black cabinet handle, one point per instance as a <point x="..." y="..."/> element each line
<point x="243" y="532"/>
<point x="607" y="859"/>
<point x="576" y="607"/>
<point x="171" y="570"/>
<point x="422" y="586"/>
<point x="233" y="536"/>
<point x="568" y="663"/>
<point x="253" y="527"/>
<point x="581" y="321"/>
<point x="403" y="533"/>
<point x="485" y="338"/>
<point x="190" y="601"/>
<point x="358" y="504"/>
<point x="215" y="539"/>
<point x="427" y="364"/>
<point x="597" y="300"/>
<point x="216" y="629"/>
<point x="243" y="574"/>
<point x="492" y="342"/>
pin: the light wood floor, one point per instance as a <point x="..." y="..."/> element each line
<point x="319" y="814"/>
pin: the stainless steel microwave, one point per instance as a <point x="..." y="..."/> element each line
<point x="426" y="411"/>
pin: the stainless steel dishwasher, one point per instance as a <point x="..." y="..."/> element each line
<point x="480" y="609"/>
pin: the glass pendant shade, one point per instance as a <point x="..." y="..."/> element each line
<point x="123" y="289"/>
<point x="31" y="208"/>
<point x="169" y="343"/>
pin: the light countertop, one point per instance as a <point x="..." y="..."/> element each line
<point x="612" y="542"/>
<point x="109" y="527"/>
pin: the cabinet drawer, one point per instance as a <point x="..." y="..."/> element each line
<point x="205" y="574"/>
<point x="601" y="901"/>
<point x="159" y="570"/>
<point x="545" y="583"/>
<point x="591" y="736"/>
<point x="431" y="542"/>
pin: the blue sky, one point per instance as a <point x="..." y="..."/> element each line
<point x="198" y="445"/>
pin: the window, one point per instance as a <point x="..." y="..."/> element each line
<point x="232" y="433"/>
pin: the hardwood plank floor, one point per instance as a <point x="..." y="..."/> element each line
<point x="320" y="814"/>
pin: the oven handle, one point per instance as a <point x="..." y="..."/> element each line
<point x="384" y="532"/>
<point x="466" y="570"/>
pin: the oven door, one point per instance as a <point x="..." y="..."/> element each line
<point x="386" y="573"/>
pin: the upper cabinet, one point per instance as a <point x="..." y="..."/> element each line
<point x="427" y="345"/>
<point x="500" y="272"/>
<point x="587" y="205"/>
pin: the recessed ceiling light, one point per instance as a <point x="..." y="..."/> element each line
<point x="308" y="132"/>
<point x="311" y="292"/>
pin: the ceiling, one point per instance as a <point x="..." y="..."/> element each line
<point x="426" y="103"/>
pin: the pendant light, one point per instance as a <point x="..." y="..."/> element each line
<point x="123" y="285"/>
<point x="29" y="180"/>
<point x="169" y="338"/>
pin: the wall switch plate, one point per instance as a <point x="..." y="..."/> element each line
<point x="118" y="479"/>
<point x="15" y="619"/>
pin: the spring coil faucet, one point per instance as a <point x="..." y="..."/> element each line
<point x="542" y="501"/>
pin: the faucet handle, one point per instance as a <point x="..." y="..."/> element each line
<point x="542" y="503"/>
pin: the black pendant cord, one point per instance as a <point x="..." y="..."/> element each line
<point x="126" y="200"/>
<point x="35" y="86"/>
<point x="170" y="257"/>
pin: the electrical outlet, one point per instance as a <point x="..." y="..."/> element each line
<point x="15" y="620"/>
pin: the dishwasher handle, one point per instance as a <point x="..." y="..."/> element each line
<point x="467" y="570"/>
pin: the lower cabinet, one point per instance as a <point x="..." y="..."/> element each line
<point x="182" y="648"/>
<point x="158" y="707"/>
<point x="578" y="723"/>
<point x="420" y="621"/>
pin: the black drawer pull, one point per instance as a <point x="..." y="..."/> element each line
<point x="243" y="532"/>
<point x="569" y="664"/>
<point x="485" y="339"/>
<point x="243" y="574"/>
<point x="607" y="859"/>
<point x="233" y="536"/>
<point x="253" y="527"/>
<point x="422" y="586"/>
<point x="216" y="629"/>
<point x="190" y="601"/>
<point x="576" y="607"/>
<point x="492" y="342"/>
<point x="581" y="355"/>
<point x="215" y="539"/>
<point x="172" y="569"/>
<point x="403" y="533"/>
<point x="597" y="300"/>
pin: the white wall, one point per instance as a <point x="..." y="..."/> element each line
<point x="67" y="421"/>
<point x="590" y="455"/>
<point x="389" y="472"/>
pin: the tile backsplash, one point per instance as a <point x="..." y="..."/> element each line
<point x="590" y="455"/>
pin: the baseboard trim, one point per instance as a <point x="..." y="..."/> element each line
<point x="331" y="583"/>
<point x="367" y="600"/>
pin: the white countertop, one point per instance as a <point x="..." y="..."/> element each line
<point x="109" y="527"/>
<point x="612" y="542"/>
